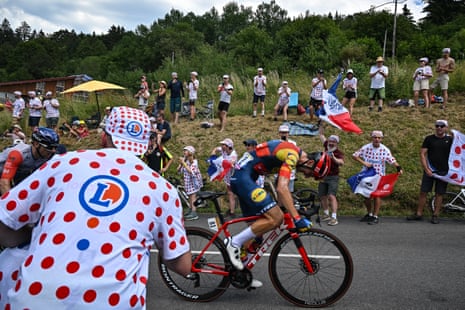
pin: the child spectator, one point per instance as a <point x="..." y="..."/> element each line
<point x="189" y="167"/>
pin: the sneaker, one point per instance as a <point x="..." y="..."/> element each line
<point x="380" y="109"/>
<point x="254" y="116"/>
<point x="303" y="224"/>
<point x="414" y="217"/>
<point x="333" y="222"/>
<point x="366" y="218"/>
<point x="191" y="216"/>
<point x="434" y="219"/>
<point x="255" y="283"/>
<point x="234" y="254"/>
<point x="325" y="217"/>
<point x="373" y="220"/>
<point x="188" y="212"/>
<point x="229" y="214"/>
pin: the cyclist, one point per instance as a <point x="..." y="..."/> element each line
<point x="98" y="214"/>
<point x="18" y="162"/>
<point x="275" y="156"/>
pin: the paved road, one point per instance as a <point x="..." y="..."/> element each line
<point x="398" y="265"/>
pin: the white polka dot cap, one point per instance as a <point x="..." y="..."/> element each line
<point x="129" y="129"/>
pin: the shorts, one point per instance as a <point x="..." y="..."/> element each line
<point x="253" y="199"/>
<point x="315" y="103"/>
<point x="51" y="121"/>
<point x="377" y="92"/>
<point x="192" y="101"/>
<point x="223" y="106"/>
<point x="175" y="104"/>
<point x="328" y="186"/>
<point x="421" y="85"/>
<point x="34" y="121"/>
<point x="256" y="98"/>
<point x="350" y="94"/>
<point x="160" y="105"/>
<point x="427" y="182"/>
<point x="442" y="80"/>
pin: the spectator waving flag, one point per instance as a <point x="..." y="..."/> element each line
<point x="333" y="112"/>
<point x="371" y="185"/>
<point x="218" y="167"/>
<point x="456" y="173"/>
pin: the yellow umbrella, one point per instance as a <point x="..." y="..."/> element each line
<point x="93" y="86"/>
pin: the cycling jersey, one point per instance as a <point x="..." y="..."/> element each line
<point x="98" y="214"/>
<point x="16" y="163"/>
<point x="274" y="156"/>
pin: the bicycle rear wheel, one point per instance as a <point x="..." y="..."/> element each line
<point x="452" y="204"/>
<point x="202" y="286"/>
<point x="331" y="261"/>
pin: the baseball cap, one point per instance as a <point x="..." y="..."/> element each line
<point x="377" y="133"/>
<point x="17" y="126"/>
<point x="250" y="142"/>
<point x="446" y="50"/>
<point x="49" y="93"/>
<point x="283" y="128"/>
<point x="350" y="71"/>
<point x="333" y="138"/>
<point x="320" y="71"/>
<point x="225" y="76"/>
<point x="129" y="129"/>
<point x="228" y="142"/>
<point x="442" y="122"/>
<point x="107" y="108"/>
<point x="425" y="59"/>
<point x="194" y="73"/>
<point x="260" y="69"/>
<point x="285" y="83"/>
<point x="17" y="93"/>
<point x="31" y="92"/>
<point x="190" y="149"/>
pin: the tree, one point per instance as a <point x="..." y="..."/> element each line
<point x="251" y="46"/>
<point x="234" y="18"/>
<point x="23" y="31"/>
<point x="270" y="17"/>
<point x="440" y="12"/>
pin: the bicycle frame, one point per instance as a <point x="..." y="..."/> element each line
<point x="288" y="224"/>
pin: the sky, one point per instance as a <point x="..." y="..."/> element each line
<point x="98" y="16"/>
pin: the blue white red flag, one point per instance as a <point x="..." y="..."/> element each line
<point x="218" y="167"/>
<point x="371" y="185"/>
<point x="456" y="173"/>
<point x="333" y="112"/>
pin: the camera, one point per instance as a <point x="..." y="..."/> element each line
<point x="420" y="72"/>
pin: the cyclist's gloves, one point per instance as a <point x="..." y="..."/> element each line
<point x="303" y="224"/>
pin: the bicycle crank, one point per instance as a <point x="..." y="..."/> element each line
<point x="241" y="278"/>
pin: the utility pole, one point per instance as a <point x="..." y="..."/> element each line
<point x="394" y="31"/>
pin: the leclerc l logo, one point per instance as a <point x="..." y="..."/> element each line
<point x="134" y="128"/>
<point x="103" y="195"/>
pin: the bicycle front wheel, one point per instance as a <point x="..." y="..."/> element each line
<point x="332" y="269"/>
<point x="200" y="287"/>
<point x="452" y="204"/>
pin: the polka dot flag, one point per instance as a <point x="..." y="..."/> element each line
<point x="456" y="173"/>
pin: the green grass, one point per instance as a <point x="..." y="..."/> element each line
<point x="404" y="130"/>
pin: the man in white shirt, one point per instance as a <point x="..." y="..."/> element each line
<point x="259" y="91"/>
<point x="378" y="75"/>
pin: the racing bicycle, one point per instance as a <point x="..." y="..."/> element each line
<point x="310" y="269"/>
<point x="452" y="203"/>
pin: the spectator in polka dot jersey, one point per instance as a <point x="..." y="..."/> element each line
<point x="97" y="214"/>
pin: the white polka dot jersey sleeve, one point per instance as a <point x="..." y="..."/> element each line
<point x="98" y="214"/>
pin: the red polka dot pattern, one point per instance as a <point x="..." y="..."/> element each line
<point x="67" y="233"/>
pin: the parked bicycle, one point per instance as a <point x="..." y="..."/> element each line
<point x="176" y="181"/>
<point x="453" y="203"/>
<point x="309" y="269"/>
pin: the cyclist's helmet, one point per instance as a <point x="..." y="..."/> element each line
<point x="46" y="137"/>
<point x="322" y="164"/>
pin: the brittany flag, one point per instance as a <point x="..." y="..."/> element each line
<point x="371" y="185"/>
<point x="456" y="173"/>
<point x="218" y="167"/>
<point x="333" y="112"/>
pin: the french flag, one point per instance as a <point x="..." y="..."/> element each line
<point x="371" y="185"/>
<point x="456" y="173"/>
<point x="218" y="167"/>
<point x="333" y="112"/>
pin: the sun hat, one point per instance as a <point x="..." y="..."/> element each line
<point x="380" y="59"/>
<point x="17" y="93"/>
<point x="228" y="142"/>
<point x="129" y="129"/>
<point x="164" y="83"/>
<point x="333" y="138"/>
<point x="17" y="126"/>
<point x="190" y="149"/>
<point x="442" y="122"/>
<point x="250" y="142"/>
<point x="377" y="133"/>
<point x="283" y="128"/>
